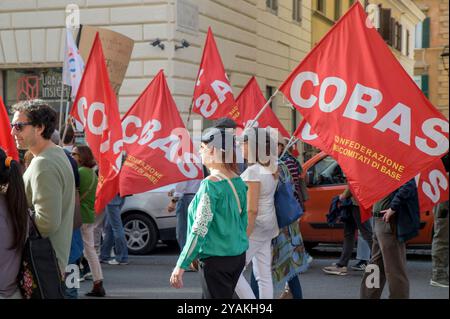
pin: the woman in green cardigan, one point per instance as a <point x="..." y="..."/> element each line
<point x="217" y="221"/>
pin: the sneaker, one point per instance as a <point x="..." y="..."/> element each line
<point x="87" y="276"/>
<point x="360" y="265"/>
<point x="441" y="284"/>
<point x="335" y="270"/>
<point x="115" y="262"/>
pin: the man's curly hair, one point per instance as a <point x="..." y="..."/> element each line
<point x="39" y="113"/>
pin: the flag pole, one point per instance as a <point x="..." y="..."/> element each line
<point x="262" y="110"/>
<point x="291" y="142"/>
<point x="62" y="85"/>
<point x="61" y="101"/>
<point x="61" y="143"/>
<point x="190" y="113"/>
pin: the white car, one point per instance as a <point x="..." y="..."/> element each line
<point x="146" y="220"/>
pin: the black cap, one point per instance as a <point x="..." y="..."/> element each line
<point x="220" y="138"/>
<point x="225" y="122"/>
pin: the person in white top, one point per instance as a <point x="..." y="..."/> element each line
<point x="261" y="178"/>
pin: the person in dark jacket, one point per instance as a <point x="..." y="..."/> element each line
<point x="396" y="220"/>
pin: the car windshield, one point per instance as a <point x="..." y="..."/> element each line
<point x="326" y="172"/>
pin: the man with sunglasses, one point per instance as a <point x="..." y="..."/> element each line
<point x="49" y="180"/>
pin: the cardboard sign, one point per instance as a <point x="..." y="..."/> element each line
<point x="117" y="49"/>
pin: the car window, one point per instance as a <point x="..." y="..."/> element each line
<point x="326" y="172"/>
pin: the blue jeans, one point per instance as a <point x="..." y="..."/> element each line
<point x="182" y="213"/>
<point x="362" y="248"/>
<point x="114" y="233"/>
<point x="71" y="293"/>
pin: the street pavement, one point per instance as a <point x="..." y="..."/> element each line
<point x="147" y="277"/>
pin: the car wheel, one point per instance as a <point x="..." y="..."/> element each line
<point x="141" y="233"/>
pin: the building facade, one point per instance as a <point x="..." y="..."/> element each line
<point x="432" y="62"/>
<point x="265" y="38"/>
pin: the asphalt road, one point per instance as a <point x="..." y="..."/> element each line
<point x="147" y="277"/>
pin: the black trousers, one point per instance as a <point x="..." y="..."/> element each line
<point x="219" y="276"/>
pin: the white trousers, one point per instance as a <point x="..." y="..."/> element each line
<point x="260" y="253"/>
<point x="87" y="233"/>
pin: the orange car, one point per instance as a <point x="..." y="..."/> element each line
<point x="325" y="179"/>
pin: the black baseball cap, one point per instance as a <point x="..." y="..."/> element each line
<point x="225" y="122"/>
<point x="220" y="138"/>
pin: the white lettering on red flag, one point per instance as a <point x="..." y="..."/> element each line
<point x="368" y="112"/>
<point x="158" y="146"/>
<point x="213" y="97"/>
<point x="96" y="108"/>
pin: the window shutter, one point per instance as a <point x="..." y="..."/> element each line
<point x="407" y="42"/>
<point x="426" y="33"/>
<point x="385" y="24"/>
<point x="399" y="37"/>
<point x="425" y="86"/>
<point x="391" y="40"/>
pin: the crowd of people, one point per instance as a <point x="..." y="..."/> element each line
<point x="226" y="223"/>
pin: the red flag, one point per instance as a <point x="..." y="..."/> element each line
<point x="370" y="115"/>
<point x="158" y="145"/>
<point x="305" y="134"/>
<point x="96" y="108"/>
<point x="213" y="97"/>
<point x="250" y="102"/>
<point x="432" y="185"/>
<point x="6" y="139"/>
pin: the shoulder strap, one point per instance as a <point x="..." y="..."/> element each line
<point x="238" y="202"/>
<point x="90" y="186"/>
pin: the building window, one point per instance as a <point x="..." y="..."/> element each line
<point x="422" y="83"/>
<point x="270" y="90"/>
<point x="35" y="83"/>
<point x="337" y="9"/>
<point x="321" y="6"/>
<point x="398" y="37"/>
<point x="297" y="11"/>
<point x="385" y="25"/>
<point x="426" y="33"/>
<point x="407" y="42"/>
<point x="272" y="5"/>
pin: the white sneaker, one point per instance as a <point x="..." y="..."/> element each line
<point x="115" y="262"/>
<point x="438" y="284"/>
<point x="335" y="270"/>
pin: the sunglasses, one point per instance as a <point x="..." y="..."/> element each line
<point x="20" y="125"/>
